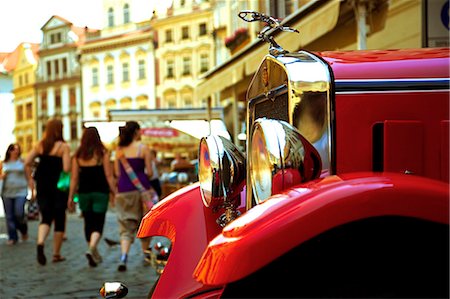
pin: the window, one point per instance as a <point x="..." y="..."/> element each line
<point x="64" y="65"/>
<point x="110" y="17"/>
<point x="49" y="69"/>
<point x="171" y="104"/>
<point x="141" y="69"/>
<point x="29" y="111"/>
<point x="58" y="100"/>
<point x="29" y="142"/>
<point x="125" y="73"/>
<point x="187" y="102"/>
<point x="95" y="76"/>
<point x="73" y="129"/>
<point x="20" y="80"/>
<point x="19" y="113"/>
<point x="186" y="66"/>
<point x="281" y="9"/>
<point x="26" y="78"/>
<point x="110" y="74"/>
<point x="44" y="101"/>
<point x="182" y="2"/>
<point x="204" y="63"/>
<point x="185" y="32"/>
<point x="169" y="36"/>
<point x="72" y="98"/>
<point x="56" y="63"/>
<point x="55" y="38"/>
<point x="126" y="14"/>
<point x="202" y="29"/>
<point x="170" y="68"/>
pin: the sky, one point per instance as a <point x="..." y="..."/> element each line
<point x="22" y="20"/>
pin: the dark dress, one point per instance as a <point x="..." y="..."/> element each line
<point x="93" y="194"/>
<point x="52" y="202"/>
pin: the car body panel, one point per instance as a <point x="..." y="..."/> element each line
<point x="388" y="64"/>
<point x="183" y="219"/>
<point x="394" y="103"/>
<point x="266" y="231"/>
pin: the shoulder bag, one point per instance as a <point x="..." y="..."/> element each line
<point x="148" y="196"/>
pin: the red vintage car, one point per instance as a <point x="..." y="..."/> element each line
<point x="343" y="190"/>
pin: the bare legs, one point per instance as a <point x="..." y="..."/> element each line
<point x="125" y="246"/>
<point x="92" y="254"/>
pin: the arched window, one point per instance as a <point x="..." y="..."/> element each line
<point x="126" y="13"/>
<point x="142" y="101"/>
<point x="126" y="103"/>
<point x="110" y="17"/>
<point x="111" y="104"/>
<point x="95" y="109"/>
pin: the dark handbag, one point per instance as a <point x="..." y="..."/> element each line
<point x="33" y="210"/>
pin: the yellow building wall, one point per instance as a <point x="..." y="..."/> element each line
<point x="24" y="94"/>
<point x="402" y="29"/>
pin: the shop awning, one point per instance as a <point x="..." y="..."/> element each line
<point x="173" y="130"/>
<point x="312" y="20"/>
<point x="168" y="139"/>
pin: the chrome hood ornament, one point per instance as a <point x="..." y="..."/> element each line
<point x="252" y="16"/>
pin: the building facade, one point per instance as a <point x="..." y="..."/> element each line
<point x="58" y="82"/>
<point x="117" y="62"/>
<point x="184" y="51"/>
<point x="324" y="25"/>
<point x="24" y="78"/>
<point x="8" y="62"/>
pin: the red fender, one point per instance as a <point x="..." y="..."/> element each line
<point x="267" y="231"/>
<point x="189" y="225"/>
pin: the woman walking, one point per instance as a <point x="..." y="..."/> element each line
<point x="92" y="178"/>
<point x="14" y="194"/>
<point x="54" y="157"/>
<point x="131" y="152"/>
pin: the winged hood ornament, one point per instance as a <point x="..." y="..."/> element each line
<point x="252" y="16"/>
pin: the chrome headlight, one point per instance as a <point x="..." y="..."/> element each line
<point x="221" y="172"/>
<point x="280" y="157"/>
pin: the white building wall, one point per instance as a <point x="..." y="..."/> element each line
<point x="104" y="92"/>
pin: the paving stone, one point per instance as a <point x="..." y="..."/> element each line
<point x="22" y="277"/>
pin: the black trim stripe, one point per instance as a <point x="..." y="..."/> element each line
<point x="391" y="85"/>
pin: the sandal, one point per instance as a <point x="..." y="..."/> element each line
<point x="58" y="258"/>
<point x="40" y="255"/>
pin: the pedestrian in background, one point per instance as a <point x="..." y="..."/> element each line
<point x="54" y="157"/>
<point x="154" y="179"/>
<point x="14" y="193"/>
<point x="129" y="206"/>
<point x="92" y="178"/>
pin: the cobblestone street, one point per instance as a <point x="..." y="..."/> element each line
<point x="22" y="277"/>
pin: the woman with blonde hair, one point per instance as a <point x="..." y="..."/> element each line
<point x="54" y="157"/>
<point x="92" y="178"/>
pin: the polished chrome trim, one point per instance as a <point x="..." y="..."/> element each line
<point x="392" y="84"/>
<point x="296" y="75"/>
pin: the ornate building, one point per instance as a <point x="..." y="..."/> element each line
<point x="24" y="78"/>
<point x="184" y="51"/>
<point x="118" y="61"/>
<point x="58" y="84"/>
